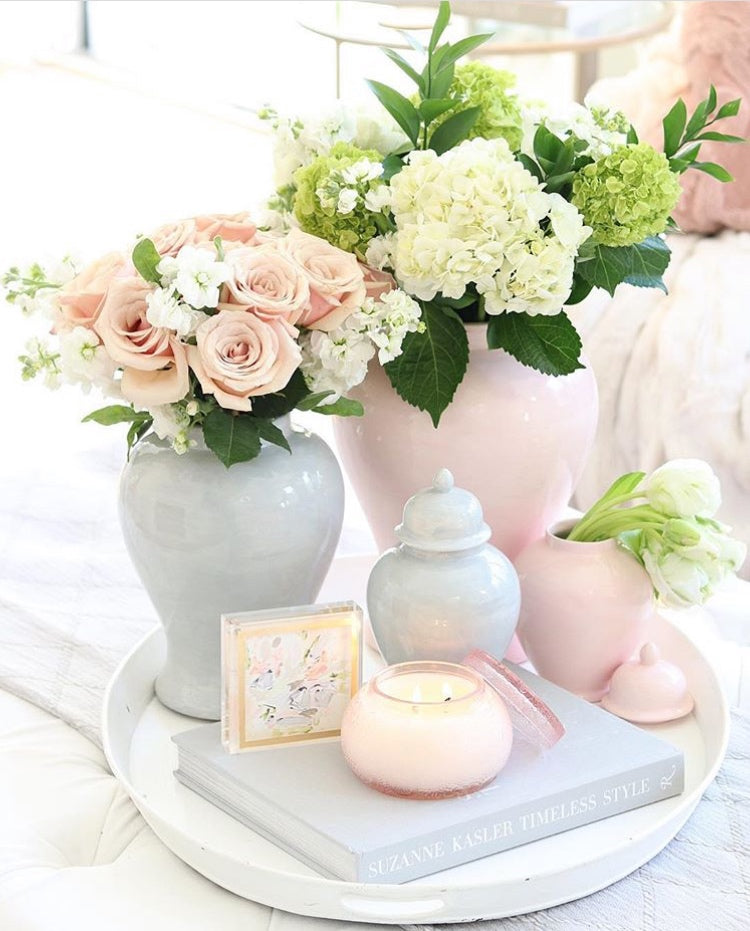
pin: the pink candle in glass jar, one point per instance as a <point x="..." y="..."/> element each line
<point x="426" y="730"/>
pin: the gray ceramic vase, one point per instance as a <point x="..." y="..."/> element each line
<point x="207" y="540"/>
<point x="444" y="591"/>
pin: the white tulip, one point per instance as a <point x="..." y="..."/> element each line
<point x="684" y="488"/>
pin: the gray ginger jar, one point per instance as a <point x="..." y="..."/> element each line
<point x="444" y="590"/>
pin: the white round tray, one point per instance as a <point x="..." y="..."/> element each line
<point x="557" y="869"/>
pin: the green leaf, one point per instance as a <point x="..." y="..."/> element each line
<point x="624" y="485"/>
<point x="711" y="102"/>
<point x="580" y="290"/>
<point x="719" y="137"/>
<point x="313" y="400"/>
<point x="441" y="21"/>
<point x="145" y="259"/>
<point x="732" y="108"/>
<point x="632" y="136"/>
<point x="268" y="431"/>
<point x="711" y="168"/>
<point x="116" y="413"/>
<point x="641" y="265"/>
<point x="404" y="65"/>
<point x="432" y="364"/>
<point x="219" y="246"/>
<point x="430" y="109"/>
<point x="697" y="121"/>
<point x="546" y="144"/>
<point x="271" y="406"/>
<point x="453" y="130"/>
<point x="441" y="83"/>
<point x="402" y="110"/>
<point x="530" y="165"/>
<point x="344" y="407"/>
<point x="555" y="183"/>
<point x="549" y="344"/>
<point x="392" y="164"/>
<point x="233" y="437"/>
<point x="674" y="124"/>
<point x="459" y="49"/>
<point x="413" y="41"/>
<point x="136" y="431"/>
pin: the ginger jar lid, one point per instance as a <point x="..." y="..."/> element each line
<point x="443" y="518"/>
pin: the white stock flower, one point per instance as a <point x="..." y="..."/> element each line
<point x="575" y="119"/>
<point x="684" y="488"/>
<point x="347" y="200"/>
<point x="476" y="215"/>
<point x="336" y="361"/>
<point x="166" y="310"/>
<point x="380" y="251"/>
<point x="362" y="171"/>
<point x="386" y="322"/>
<point x="378" y="199"/>
<point x="196" y="274"/>
<point x="84" y="360"/>
<point x="169" y="420"/>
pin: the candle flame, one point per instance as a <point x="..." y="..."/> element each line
<point x="416" y="694"/>
<point x="447" y="691"/>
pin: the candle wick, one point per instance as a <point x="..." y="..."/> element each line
<point x="447" y="698"/>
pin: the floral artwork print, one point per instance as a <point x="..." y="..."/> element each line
<point x="296" y="682"/>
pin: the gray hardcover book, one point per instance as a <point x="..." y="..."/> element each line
<point x="304" y="798"/>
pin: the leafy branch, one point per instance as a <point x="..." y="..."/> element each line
<point x="683" y="137"/>
<point x="433" y="85"/>
<point x="556" y="160"/>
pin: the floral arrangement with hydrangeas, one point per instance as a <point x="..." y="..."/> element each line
<point x="666" y="520"/>
<point x="488" y="208"/>
<point x="388" y="234"/>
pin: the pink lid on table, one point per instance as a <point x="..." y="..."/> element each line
<point x="531" y="717"/>
<point x="648" y="690"/>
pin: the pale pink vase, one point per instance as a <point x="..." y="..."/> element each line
<point x="584" y="610"/>
<point x="515" y="438"/>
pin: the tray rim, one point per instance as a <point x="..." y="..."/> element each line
<point x="420" y="891"/>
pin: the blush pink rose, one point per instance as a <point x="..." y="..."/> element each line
<point x="80" y="300"/>
<point x="240" y="356"/>
<point x="337" y="285"/>
<point x="155" y="369"/>
<point x="234" y="227"/>
<point x="377" y="282"/>
<point x="171" y="237"/>
<point x="268" y="281"/>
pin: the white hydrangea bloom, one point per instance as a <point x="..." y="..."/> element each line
<point x="166" y="310"/>
<point x="196" y="274"/>
<point x="84" y="361"/>
<point x="474" y="215"/>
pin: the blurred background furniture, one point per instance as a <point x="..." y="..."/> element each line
<point x="533" y="27"/>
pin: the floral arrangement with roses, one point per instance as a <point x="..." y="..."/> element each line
<point x="388" y="234"/>
<point x="210" y="323"/>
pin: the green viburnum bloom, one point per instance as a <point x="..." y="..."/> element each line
<point x="626" y="196"/>
<point x="340" y="196"/>
<point x="479" y="85"/>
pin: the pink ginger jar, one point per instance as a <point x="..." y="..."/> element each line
<point x="585" y="608"/>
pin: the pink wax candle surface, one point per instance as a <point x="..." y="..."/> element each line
<point x="426" y="730"/>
